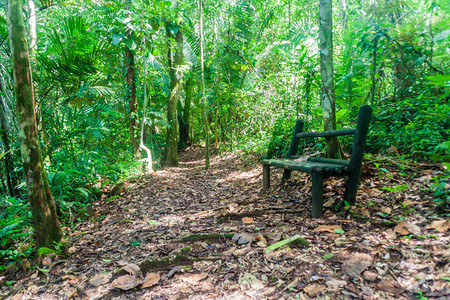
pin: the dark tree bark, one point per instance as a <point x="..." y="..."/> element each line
<point x="175" y="58"/>
<point x="46" y="225"/>
<point x="326" y="72"/>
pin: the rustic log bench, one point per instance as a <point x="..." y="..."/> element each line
<point x="321" y="168"/>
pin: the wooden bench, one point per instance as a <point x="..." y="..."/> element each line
<point x="321" y="168"/>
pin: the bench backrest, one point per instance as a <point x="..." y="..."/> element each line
<point x="359" y="140"/>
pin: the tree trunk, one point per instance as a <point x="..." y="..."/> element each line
<point x="203" y="101"/>
<point x="46" y="226"/>
<point x="175" y="57"/>
<point x="8" y="157"/>
<point x="184" y="119"/>
<point x="131" y="95"/>
<point x="326" y="72"/>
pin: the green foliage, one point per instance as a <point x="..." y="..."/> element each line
<point x="15" y="230"/>
<point x="440" y="185"/>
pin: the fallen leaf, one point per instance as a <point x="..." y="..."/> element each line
<point x="314" y="289"/>
<point x="47" y="261"/>
<point x="328" y="228"/>
<point x="370" y="276"/>
<point x="390" y="287"/>
<point x="150" y="280"/>
<point x="248" y="280"/>
<point x="390" y="234"/>
<point x="413" y="228"/>
<point x="100" y="279"/>
<point x="247" y="220"/>
<point x="356" y="264"/>
<point x="386" y="210"/>
<point x="262" y="242"/>
<point x="405" y="228"/>
<point x="25" y="264"/>
<point x="440" y="225"/>
<point x="194" y="278"/>
<point x="401" y="229"/>
<point x="133" y="269"/>
<point x="126" y="282"/>
<point x="174" y="269"/>
<point x="334" y="284"/>
<point x="243" y="238"/>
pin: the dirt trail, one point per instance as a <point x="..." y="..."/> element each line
<point x="361" y="256"/>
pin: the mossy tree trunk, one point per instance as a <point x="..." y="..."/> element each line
<point x="326" y="72"/>
<point x="46" y="226"/>
<point x="175" y="58"/>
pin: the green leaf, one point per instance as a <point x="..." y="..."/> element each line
<point x="446" y="278"/>
<point x="282" y="243"/>
<point x="340" y="231"/>
<point x="328" y="256"/>
<point x="135" y="243"/>
<point x="153" y="222"/>
<point x="106" y="260"/>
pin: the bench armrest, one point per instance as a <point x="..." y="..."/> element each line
<point x="327" y="133"/>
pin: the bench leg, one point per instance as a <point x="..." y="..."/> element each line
<point x="266" y="177"/>
<point x="352" y="188"/>
<point x="286" y="175"/>
<point x="317" y="194"/>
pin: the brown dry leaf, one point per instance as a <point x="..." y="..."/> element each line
<point x="386" y="210"/>
<point x="334" y="284"/>
<point x="262" y="242"/>
<point x="328" y="228"/>
<point x="151" y="279"/>
<point x="25" y="264"/>
<point x="194" y="278"/>
<point x="356" y="264"/>
<point x="47" y="261"/>
<point x="243" y="238"/>
<point x="390" y="234"/>
<point x="413" y="228"/>
<point x="390" y="287"/>
<point x="401" y="228"/>
<point x="133" y="269"/>
<point x="233" y="208"/>
<point x="126" y="282"/>
<point x="314" y="289"/>
<point x="100" y="279"/>
<point x="247" y="220"/>
<point x="405" y="228"/>
<point x="440" y="225"/>
<point x="370" y="276"/>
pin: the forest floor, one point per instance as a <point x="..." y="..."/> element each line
<point x="190" y="233"/>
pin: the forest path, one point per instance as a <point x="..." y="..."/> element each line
<point x="346" y="257"/>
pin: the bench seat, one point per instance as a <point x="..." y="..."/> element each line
<point x="321" y="168"/>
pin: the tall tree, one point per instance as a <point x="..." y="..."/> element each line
<point x="46" y="225"/>
<point x="203" y="101"/>
<point x="326" y="73"/>
<point x="175" y="59"/>
<point x="131" y="88"/>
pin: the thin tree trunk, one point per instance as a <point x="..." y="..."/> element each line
<point x="326" y="72"/>
<point x="184" y="120"/>
<point x="203" y="101"/>
<point x="374" y="70"/>
<point x="175" y="57"/>
<point x="142" y="145"/>
<point x="46" y="225"/>
<point x="131" y="94"/>
<point x="8" y="157"/>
